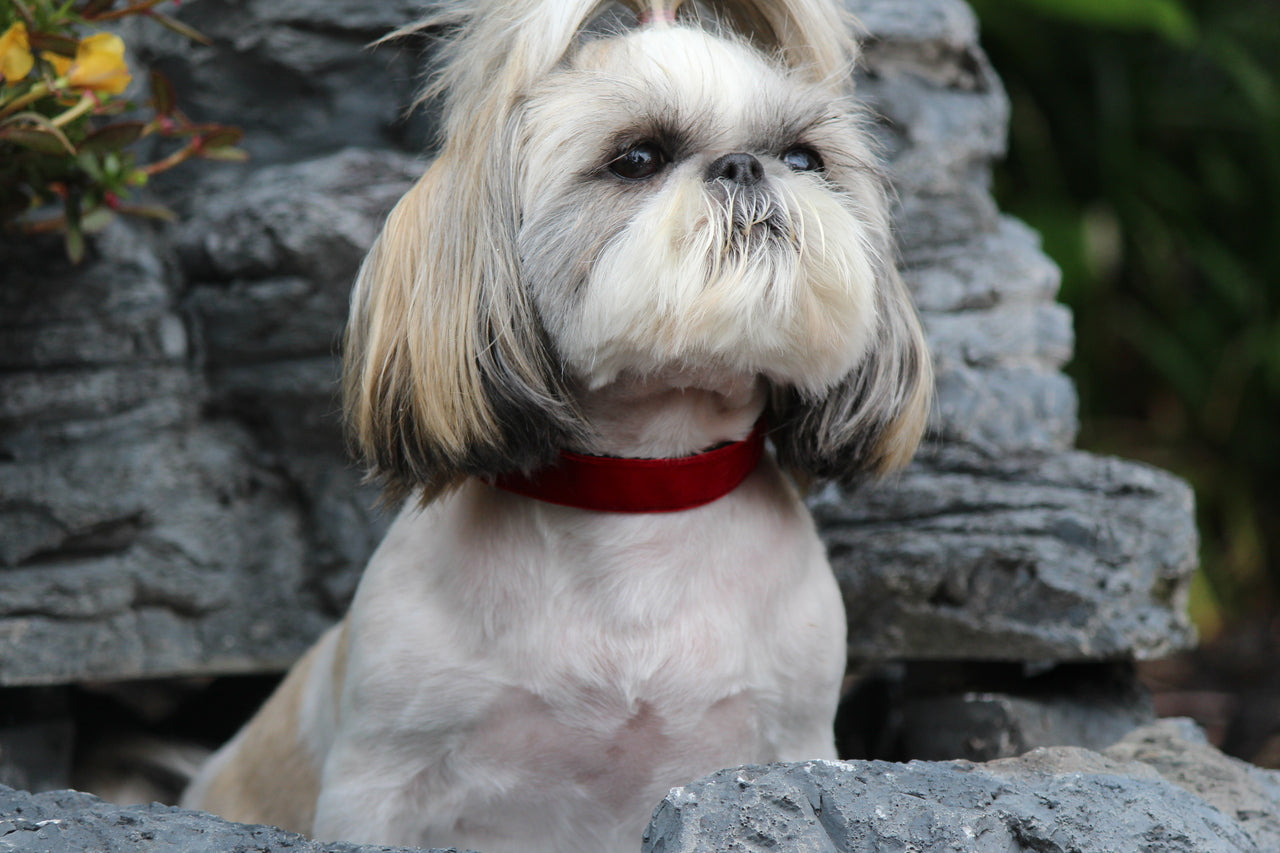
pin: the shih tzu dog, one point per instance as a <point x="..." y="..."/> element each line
<point x="654" y="238"/>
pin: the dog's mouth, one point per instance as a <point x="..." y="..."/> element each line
<point x="751" y="221"/>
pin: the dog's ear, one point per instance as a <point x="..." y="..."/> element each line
<point x="446" y="368"/>
<point x="870" y="423"/>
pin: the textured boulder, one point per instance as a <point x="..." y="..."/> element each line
<point x="72" y="822"/>
<point x="299" y="76"/>
<point x="1063" y="556"/>
<point x="1162" y="789"/>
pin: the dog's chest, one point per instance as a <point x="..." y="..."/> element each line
<point x="567" y="675"/>
<point x="618" y="757"/>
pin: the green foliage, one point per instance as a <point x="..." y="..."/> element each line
<point x="1145" y="146"/>
<point x="67" y="161"/>
<point x="1168" y="17"/>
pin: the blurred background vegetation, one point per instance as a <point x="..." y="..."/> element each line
<point x="1145" y="147"/>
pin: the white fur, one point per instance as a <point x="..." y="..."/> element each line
<point x="541" y="692"/>
<point x="528" y="677"/>
<point x="669" y="290"/>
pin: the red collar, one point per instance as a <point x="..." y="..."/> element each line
<point x="612" y="484"/>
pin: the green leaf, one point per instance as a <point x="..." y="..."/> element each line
<point x="149" y="211"/>
<point x="1169" y="18"/>
<point x="73" y="239"/>
<point x="222" y="137"/>
<point x="225" y="154"/>
<point x="24" y="13"/>
<point x="37" y="139"/>
<point x="96" y="220"/>
<point x="90" y="166"/>
<point x="180" y="28"/>
<point x="54" y="43"/>
<point x="90" y="8"/>
<point x="162" y="97"/>
<point x="113" y="137"/>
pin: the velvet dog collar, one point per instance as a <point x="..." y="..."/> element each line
<point x="613" y="484"/>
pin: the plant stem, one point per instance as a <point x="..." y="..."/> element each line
<point x="37" y="92"/>
<point x="86" y="103"/>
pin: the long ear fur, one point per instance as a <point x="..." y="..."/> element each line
<point x="446" y="370"/>
<point x="872" y="421"/>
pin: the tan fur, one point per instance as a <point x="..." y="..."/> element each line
<point x="420" y="411"/>
<point x="271" y="779"/>
<point x="810" y="35"/>
<point x="900" y="438"/>
<point x="386" y="380"/>
<point x="340" y="661"/>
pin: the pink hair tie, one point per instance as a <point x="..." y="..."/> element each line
<point x="661" y="15"/>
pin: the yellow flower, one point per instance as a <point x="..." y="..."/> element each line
<point x="60" y="63"/>
<point x="99" y="65"/>
<point x="15" y="53"/>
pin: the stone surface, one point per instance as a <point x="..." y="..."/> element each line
<point x="1180" y="754"/>
<point x="299" y="75"/>
<point x="72" y="822"/>
<point x="984" y="712"/>
<point x="1065" y="556"/>
<point x="168" y="555"/>
<point x="1162" y="788"/>
<point x="1059" y="799"/>
<point x="943" y="114"/>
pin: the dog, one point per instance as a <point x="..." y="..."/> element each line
<point x="655" y="236"/>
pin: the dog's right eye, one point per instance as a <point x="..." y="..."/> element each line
<point x="640" y="161"/>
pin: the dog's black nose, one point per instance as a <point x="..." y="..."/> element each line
<point x="737" y="168"/>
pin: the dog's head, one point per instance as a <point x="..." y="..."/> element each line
<point x="647" y="194"/>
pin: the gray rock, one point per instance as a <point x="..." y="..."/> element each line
<point x="1178" y="751"/>
<point x="273" y="263"/>
<point x="1060" y="799"/>
<point x="948" y="25"/>
<point x="174" y="552"/>
<point x="943" y="113"/>
<point x="982" y="725"/>
<point x="299" y="77"/>
<point x="160" y="514"/>
<point x="1064" y="556"/>
<point x="83" y="348"/>
<point x="72" y="822"/>
<point x="1007" y="409"/>
<point x="313" y="218"/>
<point x="1036" y="335"/>
<point x="986" y="270"/>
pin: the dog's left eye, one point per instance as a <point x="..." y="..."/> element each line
<point x="802" y="159"/>
<point x="640" y="161"/>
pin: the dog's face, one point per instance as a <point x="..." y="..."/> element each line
<point x="688" y="205"/>
<point x="659" y="201"/>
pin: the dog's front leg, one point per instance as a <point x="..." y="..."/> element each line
<point x="270" y="772"/>
<point x="395" y="790"/>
